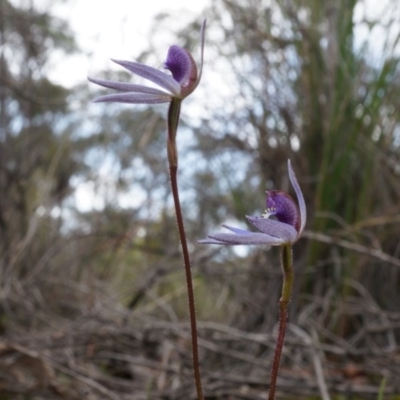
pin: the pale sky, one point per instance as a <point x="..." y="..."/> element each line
<point x="121" y="29"/>
<point x="113" y="29"/>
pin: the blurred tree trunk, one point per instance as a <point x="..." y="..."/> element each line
<point x="34" y="170"/>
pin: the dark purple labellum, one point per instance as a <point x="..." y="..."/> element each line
<point x="282" y="206"/>
<point x="179" y="63"/>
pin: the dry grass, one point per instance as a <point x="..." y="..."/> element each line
<point x="89" y="346"/>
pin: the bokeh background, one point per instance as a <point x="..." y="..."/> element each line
<point x="92" y="296"/>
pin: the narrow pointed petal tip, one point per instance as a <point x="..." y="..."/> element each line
<point x="300" y="198"/>
<point x="250" y="238"/>
<point x="127" y="87"/>
<point x="202" y="40"/>
<point x="133" y="98"/>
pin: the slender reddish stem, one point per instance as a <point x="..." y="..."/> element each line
<point x="173" y="120"/>
<point x="287" y="268"/>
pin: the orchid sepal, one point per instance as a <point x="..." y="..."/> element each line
<point x="183" y="80"/>
<point x="286" y="229"/>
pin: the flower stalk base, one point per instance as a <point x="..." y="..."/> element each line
<point x="173" y="120"/>
<point x="288" y="276"/>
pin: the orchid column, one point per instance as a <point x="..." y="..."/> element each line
<point x="176" y="86"/>
<point x="283" y="232"/>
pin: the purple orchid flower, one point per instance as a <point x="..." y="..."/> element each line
<point x="287" y="228"/>
<point x="182" y="81"/>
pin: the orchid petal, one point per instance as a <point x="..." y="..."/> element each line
<point x="134" y="98"/>
<point x="210" y="241"/>
<point x="285" y="232"/>
<point x="127" y="87"/>
<point x="202" y="39"/>
<point x="252" y="238"/>
<point x="237" y="230"/>
<point x="153" y="75"/>
<point x="196" y="73"/>
<point x="300" y="198"/>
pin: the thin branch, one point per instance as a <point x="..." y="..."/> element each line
<point x="380" y="255"/>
